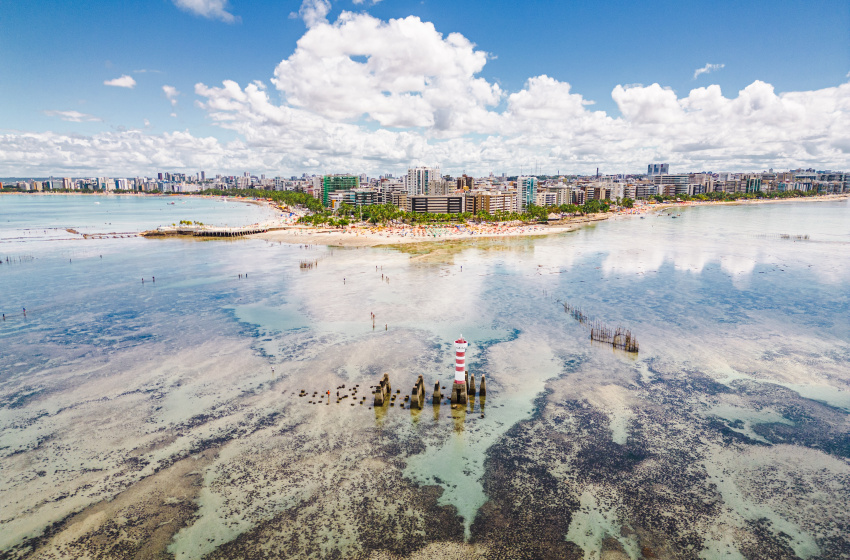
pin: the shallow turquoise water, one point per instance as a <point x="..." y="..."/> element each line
<point x="28" y="217"/>
<point x="718" y="290"/>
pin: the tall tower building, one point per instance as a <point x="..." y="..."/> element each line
<point x="418" y="179"/>
<point x="334" y="183"/>
<point x="657" y="169"/>
<point x="526" y="188"/>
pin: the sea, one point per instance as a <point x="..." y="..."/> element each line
<point x="212" y="398"/>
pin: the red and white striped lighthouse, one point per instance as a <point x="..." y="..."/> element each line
<point x="460" y="360"/>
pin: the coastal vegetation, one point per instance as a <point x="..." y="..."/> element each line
<point x="385" y="213"/>
<point x="288" y="198"/>
<point x="731" y="197"/>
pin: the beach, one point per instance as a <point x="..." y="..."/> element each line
<point x="401" y="234"/>
<point x="404" y="234"/>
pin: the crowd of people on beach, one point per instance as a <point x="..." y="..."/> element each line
<point x="425" y="232"/>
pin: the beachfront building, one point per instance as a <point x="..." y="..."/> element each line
<point x="643" y="190"/>
<point x="434" y="204"/>
<point x="671" y="185"/>
<point x="545" y="198"/>
<point x="419" y="179"/>
<point x="553" y="196"/>
<point x="704" y="180"/>
<point x="526" y="189"/>
<point x="334" y="183"/>
<point x="751" y="183"/>
<point x="490" y="202"/>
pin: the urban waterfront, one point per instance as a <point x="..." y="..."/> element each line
<point x="164" y="416"/>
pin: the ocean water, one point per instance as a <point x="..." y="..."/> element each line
<point x="30" y="217"/>
<point x="726" y="436"/>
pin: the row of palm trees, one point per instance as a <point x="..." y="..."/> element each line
<point x="386" y="213"/>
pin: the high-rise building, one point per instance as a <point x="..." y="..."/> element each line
<point x="526" y="190"/>
<point x="419" y="178"/>
<point x="671" y="185"/>
<point x="658" y="169"/>
<point x="333" y="183"/>
<point x="465" y="183"/>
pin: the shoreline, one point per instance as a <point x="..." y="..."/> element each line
<point x="378" y="236"/>
<point x="400" y="235"/>
<point x="816" y="198"/>
<point x="405" y="235"/>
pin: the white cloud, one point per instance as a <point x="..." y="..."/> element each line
<point x="313" y="12"/>
<point x="400" y="73"/>
<point x="171" y="93"/>
<point x="73" y="116"/>
<point x="707" y="68"/>
<point x="124" y="81"/>
<point x="365" y="95"/>
<point x="211" y="9"/>
<point x="358" y="2"/>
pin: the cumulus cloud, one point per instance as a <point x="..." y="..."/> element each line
<point x="313" y="12"/>
<point x="400" y="73"/>
<point x="171" y="93"/>
<point x="365" y="95"/>
<point x="706" y="69"/>
<point x="124" y="81"/>
<point x="73" y="116"/>
<point x="116" y="153"/>
<point x="210" y="9"/>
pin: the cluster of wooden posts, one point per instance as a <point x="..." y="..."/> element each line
<point x="227" y="232"/>
<point x="576" y="313"/>
<point x="17" y="260"/>
<point x="618" y="338"/>
<point x="459" y="395"/>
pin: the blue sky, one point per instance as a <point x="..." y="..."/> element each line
<point x="57" y="56"/>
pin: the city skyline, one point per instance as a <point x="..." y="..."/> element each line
<point x="322" y="87"/>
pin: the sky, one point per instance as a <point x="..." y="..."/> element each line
<point x="357" y="86"/>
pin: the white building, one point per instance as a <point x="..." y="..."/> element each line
<point x="419" y="179"/>
<point x="526" y="189"/>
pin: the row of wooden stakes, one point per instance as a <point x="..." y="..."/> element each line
<point x="460" y="392"/>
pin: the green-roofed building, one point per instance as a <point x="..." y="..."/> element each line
<point x="333" y="183"/>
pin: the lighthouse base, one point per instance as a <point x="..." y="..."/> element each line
<point x="458" y="393"/>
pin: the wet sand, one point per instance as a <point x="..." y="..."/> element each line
<point x="398" y="235"/>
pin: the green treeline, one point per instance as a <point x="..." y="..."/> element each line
<point x="385" y="213"/>
<point x="728" y="197"/>
<point x="288" y="198"/>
